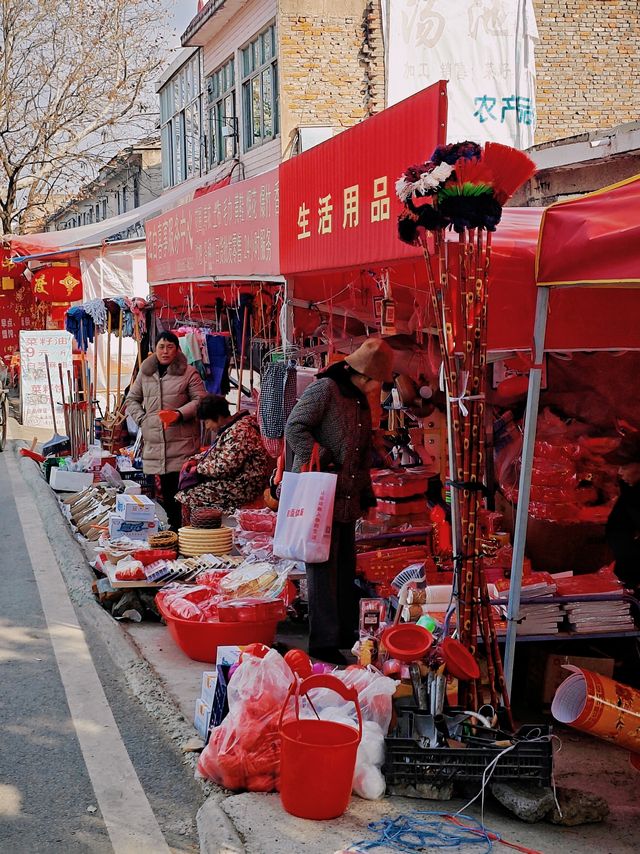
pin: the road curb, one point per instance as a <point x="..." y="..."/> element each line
<point x="216" y="831"/>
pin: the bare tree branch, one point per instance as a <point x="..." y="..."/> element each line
<point x="75" y="80"/>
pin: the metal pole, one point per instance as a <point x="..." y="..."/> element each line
<point x="524" y="486"/>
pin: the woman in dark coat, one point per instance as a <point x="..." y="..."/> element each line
<point x="334" y="412"/>
<point x="623" y="525"/>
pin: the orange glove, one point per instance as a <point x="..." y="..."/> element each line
<point x="168" y="417"/>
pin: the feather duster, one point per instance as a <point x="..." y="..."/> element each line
<point x="510" y="168"/>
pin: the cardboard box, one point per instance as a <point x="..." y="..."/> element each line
<point x="202" y="719"/>
<point x="220" y="705"/>
<point x="119" y="527"/>
<point x="69" y="481"/>
<point x="135" y="508"/>
<point x="555" y="673"/>
<point x="208" y="689"/>
<point x="228" y="655"/>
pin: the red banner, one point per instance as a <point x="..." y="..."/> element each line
<point x="17" y="311"/>
<point x="339" y="204"/>
<point x="232" y="231"/>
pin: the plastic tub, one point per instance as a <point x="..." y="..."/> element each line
<point x="200" y="641"/>
<point x="251" y="611"/>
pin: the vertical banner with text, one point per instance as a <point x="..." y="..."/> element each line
<point x="483" y="48"/>
<point x="36" y="406"/>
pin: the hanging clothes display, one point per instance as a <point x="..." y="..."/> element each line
<point x="218" y="356"/>
<point x="81" y="326"/>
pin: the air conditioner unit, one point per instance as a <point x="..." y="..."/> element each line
<point x="310" y="136"/>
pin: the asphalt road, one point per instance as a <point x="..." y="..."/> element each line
<point x="57" y="769"/>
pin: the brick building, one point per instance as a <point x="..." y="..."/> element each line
<point x="261" y="80"/>
<point x="588" y="77"/>
<point x="266" y="79"/>
<point x="130" y="179"/>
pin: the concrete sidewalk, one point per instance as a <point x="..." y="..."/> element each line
<point x="251" y="823"/>
<point x="168" y="683"/>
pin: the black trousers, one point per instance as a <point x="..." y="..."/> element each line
<point x="333" y="599"/>
<point x="173" y="508"/>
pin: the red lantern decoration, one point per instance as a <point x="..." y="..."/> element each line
<point x="10" y="269"/>
<point x="57" y="284"/>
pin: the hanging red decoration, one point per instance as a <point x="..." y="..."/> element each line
<point x="57" y="312"/>
<point x="57" y="284"/>
<point x="10" y="269"/>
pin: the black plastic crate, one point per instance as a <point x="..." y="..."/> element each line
<point x="409" y="764"/>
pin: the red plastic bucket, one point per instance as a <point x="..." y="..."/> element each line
<point x="318" y="758"/>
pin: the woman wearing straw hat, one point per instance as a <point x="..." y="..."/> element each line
<point x="334" y="413"/>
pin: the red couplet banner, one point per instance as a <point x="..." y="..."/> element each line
<point x="232" y="231"/>
<point x="338" y="200"/>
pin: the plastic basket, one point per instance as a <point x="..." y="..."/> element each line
<point x="409" y="764"/>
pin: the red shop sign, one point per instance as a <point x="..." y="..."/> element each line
<point x="10" y="269"/>
<point x="338" y="200"/>
<point x="232" y="231"/>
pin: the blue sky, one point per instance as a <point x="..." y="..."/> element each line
<point x="181" y="12"/>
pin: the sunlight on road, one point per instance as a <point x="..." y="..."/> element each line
<point x="10" y="801"/>
<point x="14" y="642"/>
<point x="70" y="640"/>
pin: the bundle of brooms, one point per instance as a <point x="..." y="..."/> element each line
<point x="462" y="189"/>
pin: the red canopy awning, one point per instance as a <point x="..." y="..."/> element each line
<point x="592" y="240"/>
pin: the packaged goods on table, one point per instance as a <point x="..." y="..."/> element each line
<point x="396" y="484"/>
<point x="135" y="508"/>
<point x="134" y="530"/>
<point x="262" y="521"/>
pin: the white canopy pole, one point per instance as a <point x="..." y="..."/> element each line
<point x="524" y="486"/>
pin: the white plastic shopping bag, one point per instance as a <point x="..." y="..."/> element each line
<point x="305" y="515"/>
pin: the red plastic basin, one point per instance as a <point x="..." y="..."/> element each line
<point x="200" y="641"/>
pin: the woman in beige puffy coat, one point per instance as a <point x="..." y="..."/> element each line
<point x="163" y="401"/>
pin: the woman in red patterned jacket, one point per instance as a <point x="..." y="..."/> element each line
<point x="236" y="469"/>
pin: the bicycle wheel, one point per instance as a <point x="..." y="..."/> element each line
<point x="4" y="416"/>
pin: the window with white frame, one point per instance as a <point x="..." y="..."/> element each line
<point x="180" y="111"/>
<point x="260" y="89"/>
<point x="222" y="121"/>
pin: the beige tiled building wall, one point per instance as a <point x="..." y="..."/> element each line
<point x="322" y="66"/>
<point x="588" y="68"/>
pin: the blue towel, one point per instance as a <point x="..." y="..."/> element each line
<point x="218" y="359"/>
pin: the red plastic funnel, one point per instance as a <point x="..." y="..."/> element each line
<point x="458" y="660"/>
<point x="407" y="641"/>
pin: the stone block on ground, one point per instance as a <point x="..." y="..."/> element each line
<point x="578" y="808"/>
<point x="528" y="802"/>
<point x="431" y="791"/>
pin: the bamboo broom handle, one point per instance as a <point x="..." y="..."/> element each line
<point x="242" y="353"/>
<point x="108" y="404"/>
<point x="119" y="360"/>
